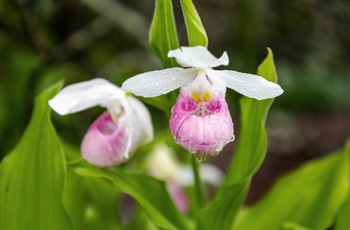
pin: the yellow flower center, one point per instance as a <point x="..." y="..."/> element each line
<point x="201" y="97"/>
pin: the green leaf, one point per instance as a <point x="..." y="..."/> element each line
<point x="195" y="30"/>
<point x="294" y="226"/>
<point x="250" y="152"/>
<point x="218" y="215"/>
<point x="252" y="142"/>
<point x="163" y="35"/>
<point x="309" y="196"/>
<point x="150" y="193"/>
<point x="32" y="176"/>
<point x="92" y="203"/>
<point x="342" y="222"/>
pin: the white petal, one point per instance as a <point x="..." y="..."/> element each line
<point x="198" y="57"/>
<point x="158" y="82"/>
<point x="249" y="85"/>
<point x="129" y="128"/>
<point x="144" y="117"/>
<point x="209" y="174"/>
<point x="84" y="95"/>
<point x="162" y="162"/>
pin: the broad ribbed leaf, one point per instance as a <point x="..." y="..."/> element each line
<point x="250" y="152"/>
<point x="309" y="196"/>
<point x="32" y="176"/>
<point x="342" y="222"/>
<point x="252" y="142"/>
<point x="92" y="203"/>
<point x="219" y="214"/>
<point x="150" y="193"/>
<point x="195" y="30"/>
<point x="163" y="35"/>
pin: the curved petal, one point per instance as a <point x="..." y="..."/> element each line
<point x="80" y="96"/>
<point x="198" y="57"/>
<point x="249" y="85"/>
<point x="105" y="143"/>
<point x="158" y="82"/>
<point x="144" y="117"/>
<point x="131" y="125"/>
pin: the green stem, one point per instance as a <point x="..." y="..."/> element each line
<point x="198" y="186"/>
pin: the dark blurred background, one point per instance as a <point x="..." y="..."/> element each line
<point x="44" y="41"/>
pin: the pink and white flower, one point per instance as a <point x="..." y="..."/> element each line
<point x="115" y="135"/>
<point x="200" y="121"/>
<point x="163" y="164"/>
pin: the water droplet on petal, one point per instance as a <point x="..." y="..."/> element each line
<point x="232" y="138"/>
<point x="192" y="151"/>
<point x="156" y="84"/>
<point x="201" y="159"/>
<point x="173" y="78"/>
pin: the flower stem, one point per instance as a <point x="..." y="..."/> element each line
<point x="198" y="186"/>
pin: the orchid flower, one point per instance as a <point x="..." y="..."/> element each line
<point x="200" y="120"/>
<point x="162" y="164"/>
<point x="115" y="135"/>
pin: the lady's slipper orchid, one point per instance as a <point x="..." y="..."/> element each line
<point x="162" y="163"/>
<point x="200" y="120"/>
<point x="115" y="135"/>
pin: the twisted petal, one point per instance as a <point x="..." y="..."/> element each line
<point x="80" y="96"/>
<point x="247" y="84"/>
<point x="198" y="57"/>
<point x="158" y="82"/>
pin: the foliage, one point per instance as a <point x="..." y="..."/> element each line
<point x="44" y="183"/>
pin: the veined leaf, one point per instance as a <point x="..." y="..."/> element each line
<point x="342" y="222"/>
<point x="252" y="142"/>
<point x="163" y="35"/>
<point x="92" y="203"/>
<point x="195" y="30"/>
<point x="32" y="176"/>
<point x="150" y="193"/>
<point x="309" y="196"/>
<point x="250" y="152"/>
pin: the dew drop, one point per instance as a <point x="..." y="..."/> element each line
<point x="232" y="138"/>
<point x="156" y="84"/>
<point x="193" y="151"/>
<point x="173" y="79"/>
<point x="201" y="159"/>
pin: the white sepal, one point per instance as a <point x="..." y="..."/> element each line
<point x="80" y="96"/>
<point x="129" y="128"/>
<point x="155" y="83"/>
<point x="249" y="85"/>
<point x="210" y="174"/>
<point x="198" y="57"/>
<point x="144" y="118"/>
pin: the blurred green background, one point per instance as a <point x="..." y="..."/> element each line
<point x="44" y="41"/>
